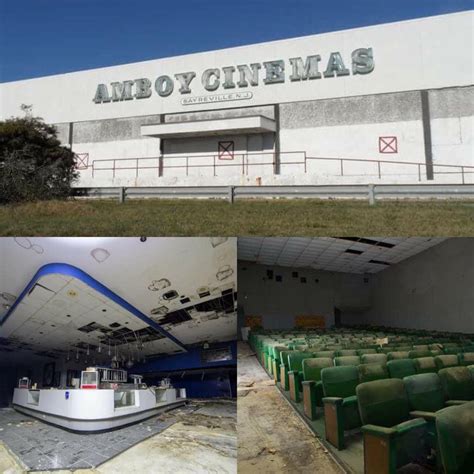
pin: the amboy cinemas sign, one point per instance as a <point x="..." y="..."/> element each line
<point x="230" y="80"/>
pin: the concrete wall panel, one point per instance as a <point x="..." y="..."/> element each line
<point x="111" y="130"/>
<point x="381" y="108"/>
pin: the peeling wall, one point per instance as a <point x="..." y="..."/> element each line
<point x="279" y="302"/>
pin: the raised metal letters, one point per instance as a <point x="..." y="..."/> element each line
<point x="142" y="88"/>
<point x="242" y="76"/>
<point x="185" y="79"/>
<point x="275" y="72"/>
<point x="362" y="61"/>
<point x="164" y="86"/>
<point x="101" y="94"/>
<point x="122" y="90"/>
<point x="248" y="75"/>
<point x="336" y="66"/>
<point x="206" y="79"/>
<point x="228" y="77"/>
<point x="308" y="70"/>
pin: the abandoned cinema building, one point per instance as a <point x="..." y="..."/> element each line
<point x="389" y="103"/>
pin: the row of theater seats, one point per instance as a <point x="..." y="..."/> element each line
<point x="407" y="407"/>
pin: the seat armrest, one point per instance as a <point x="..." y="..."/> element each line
<point x="455" y="402"/>
<point x="333" y="400"/>
<point x="308" y="382"/>
<point x="426" y="415"/>
<point x="409" y="425"/>
<point x="379" y="431"/>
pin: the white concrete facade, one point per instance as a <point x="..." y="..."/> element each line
<point x="400" y="92"/>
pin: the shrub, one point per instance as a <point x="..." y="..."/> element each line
<point x="33" y="163"/>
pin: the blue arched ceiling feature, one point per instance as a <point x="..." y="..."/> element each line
<point x="71" y="270"/>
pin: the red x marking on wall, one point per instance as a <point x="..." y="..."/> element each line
<point x="82" y="161"/>
<point x="226" y="150"/>
<point x="388" y="145"/>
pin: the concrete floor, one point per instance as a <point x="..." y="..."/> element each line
<point x="271" y="436"/>
<point x="204" y="441"/>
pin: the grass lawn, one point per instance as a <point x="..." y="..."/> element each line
<point x="286" y="217"/>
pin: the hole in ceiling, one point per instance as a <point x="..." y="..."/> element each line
<point x="354" y="252"/>
<point x="159" y="310"/>
<point x="170" y="295"/>
<point x="379" y="262"/>
<point x="175" y="317"/>
<point x="114" y="325"/>
<point x="363" y="240"/>
<point x="184" y="300"/>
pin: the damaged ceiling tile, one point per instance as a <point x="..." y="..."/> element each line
<point x="157" y="285"/>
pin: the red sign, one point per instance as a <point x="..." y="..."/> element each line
<point x="82" y="161"/>
<point x="226" y="150"/>
<point x="388" y="145"/>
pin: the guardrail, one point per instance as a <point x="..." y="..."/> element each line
<point x="241" y="162"/>
<point x="371" y="192"/>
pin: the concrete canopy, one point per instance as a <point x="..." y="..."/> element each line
<point x="200" y="128"/>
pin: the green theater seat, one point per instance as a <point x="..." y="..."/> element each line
<point x="347" y="360"/>
<point x="312" y="385"/>
<point x="366" y="351"/>
<point x="454" y="426"/>
<point x="446" y="360"/>
<point x="329" y="354"/>
<point x="285" y="385"/>
<point x="471" y="368"/>
<point x="340" y="403"/>
<point x="458" y="385"/>
<point x="418" y="354"/>
<point x="347" y="352"/>
<point x="276" y="361"/>
<point x="397" y="355"/>
<point x="466" y="358"/>
<point x="373" y="358"/>
<point x="425" y="365"/>
<point x="391" y="438"/>
<point x="399" y="368"/>
<point x="295" y="372"/>
<point x="426" y="398"/>
<point x="369" y="372"/>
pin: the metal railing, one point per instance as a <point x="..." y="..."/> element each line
<point x="242" y="161"/>
<point x="370" y="192"/>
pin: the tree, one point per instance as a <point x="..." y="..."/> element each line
<point x="33" y="163"/>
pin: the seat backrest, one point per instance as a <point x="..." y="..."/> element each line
<point x="466" y="358"/>
<point x="329" y="354"/>
<point x="284" y="357"/>
<point x="347" y="352"/>
<point x="277" y="350"/>
<point x="347" y="360"/>
<point x="366" y="351"/>
<point x="373" y="358"/>
<point x="400" y="368"/>
<point x="457" y="383"/>
<point x="340" y="381"/>
<point x="397" y="355"/>
<point x="425" y="365"/>
<point x="424" y="392"/>
<point x="421" y="347"/>
<point x="456" y="437"/>
<point x="296" y="358"/>
<point x="446" y="360"/>
<point x="383" y="402"/>
<point x="312" y="367"/>
<point x="418" y="354"/>
<point x="373" y="371"/>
